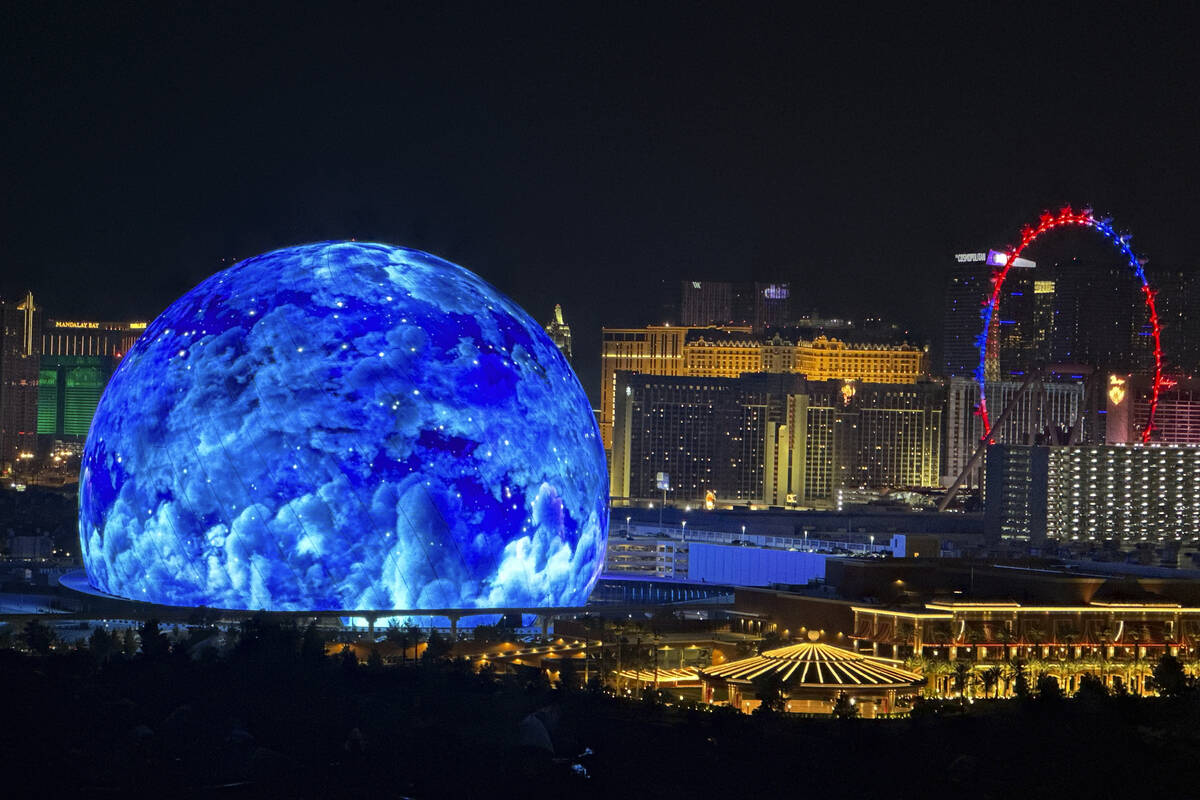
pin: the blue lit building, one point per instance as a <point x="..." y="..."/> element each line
<point x="344" y="426"/>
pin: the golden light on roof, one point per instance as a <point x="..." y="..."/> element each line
<point x="675" y="676"/>
<point x="814" y="664"/>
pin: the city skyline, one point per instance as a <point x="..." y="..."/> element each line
<point x="849" y="163"/>
<point x="462" y="400"/>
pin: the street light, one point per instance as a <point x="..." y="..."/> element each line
<point x="684" y="526"/>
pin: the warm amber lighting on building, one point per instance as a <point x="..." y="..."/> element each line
<point x="727" y="352"/>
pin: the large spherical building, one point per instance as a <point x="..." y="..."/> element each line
<point x="344" y="426"/>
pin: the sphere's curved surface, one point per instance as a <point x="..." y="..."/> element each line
<point x="344" y="426"/>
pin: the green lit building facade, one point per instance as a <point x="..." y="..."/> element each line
<point x="77" y="359"/>
<point x="69" y="389"/>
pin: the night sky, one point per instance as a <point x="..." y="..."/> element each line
<point x="582" y="153"/>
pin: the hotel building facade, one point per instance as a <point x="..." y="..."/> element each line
<point x="77" y="358"/>
<point x="772" y="439"/>
<point x="728" y="352"/>
<point x="1094" y="492"/>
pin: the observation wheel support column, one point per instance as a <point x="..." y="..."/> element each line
<point x="981" y="448"/>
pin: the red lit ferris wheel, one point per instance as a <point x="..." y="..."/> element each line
<point x="1003" y="261"/>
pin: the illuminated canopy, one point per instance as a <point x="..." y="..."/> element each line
<point x="815" y="665"/>
<point x="344" y="426"/>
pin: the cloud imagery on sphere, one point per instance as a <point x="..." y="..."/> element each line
<point x="344" y="426"/>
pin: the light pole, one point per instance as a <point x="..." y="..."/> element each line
<point x="683" y="525"/>
<point x="872" y="543"/>
<point x="627" y="525"/>
<point x="743" y="534"/>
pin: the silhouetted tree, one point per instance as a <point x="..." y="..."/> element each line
<point x="154" y="641"/>
<point x="439" y="647"/>
<point x="103" y="645"/>
<point x="1169" y="679"/>
<point x="38" y="637"/>
<point x="769" y="688"/>
<point x="129" y="643"/>
<point x="568" y="677"/>
<point x="312" y="645"/>
<point x="349" y="660"/>
<point x="374" y="660"/>
<point x="843" y="708"/>
<point x="770" y="640"/>
<point x="1020" y="679"/>
<point x="991" y="679"/>
<point x="651" y="697"/>
<point x="1048" y="689"/>
<point x="1091" y="688"/>
<point x="962" y="678"/>
<point x="407" y="635"/>
<point x="267" y="643"/>
<point x="487" y="633"/>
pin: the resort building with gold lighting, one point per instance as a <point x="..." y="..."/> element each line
<point x="731" y="351"/>
<point x="1114" y="639"/>
<point x="652" y="350"/>
<point x="834" y="360"/>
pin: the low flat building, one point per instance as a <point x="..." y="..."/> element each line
<point x="709" y="562"/>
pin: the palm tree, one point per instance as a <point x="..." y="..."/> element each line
<point x="962" y="678"/>
<point x="1021" y="678"/>
<point x="1005" y="635"/>
<point x="1008" y="674"/>
<point x="939" y="670"/>
<point x="990" y="678"/>
<point x="918" y="664"/>
<point x="1035" y="635"/>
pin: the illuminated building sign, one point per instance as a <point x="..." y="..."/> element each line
<point x="847" y="393"/>
<point x="108" y="326"/>
<point x="1116" y="389"/>
<point x="998" y="259"/>
<point x="970" y="258"/>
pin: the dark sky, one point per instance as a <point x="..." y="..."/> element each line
<point x="581" y="153"/>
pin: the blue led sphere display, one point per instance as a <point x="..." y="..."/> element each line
<point x="344" y="426"/>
